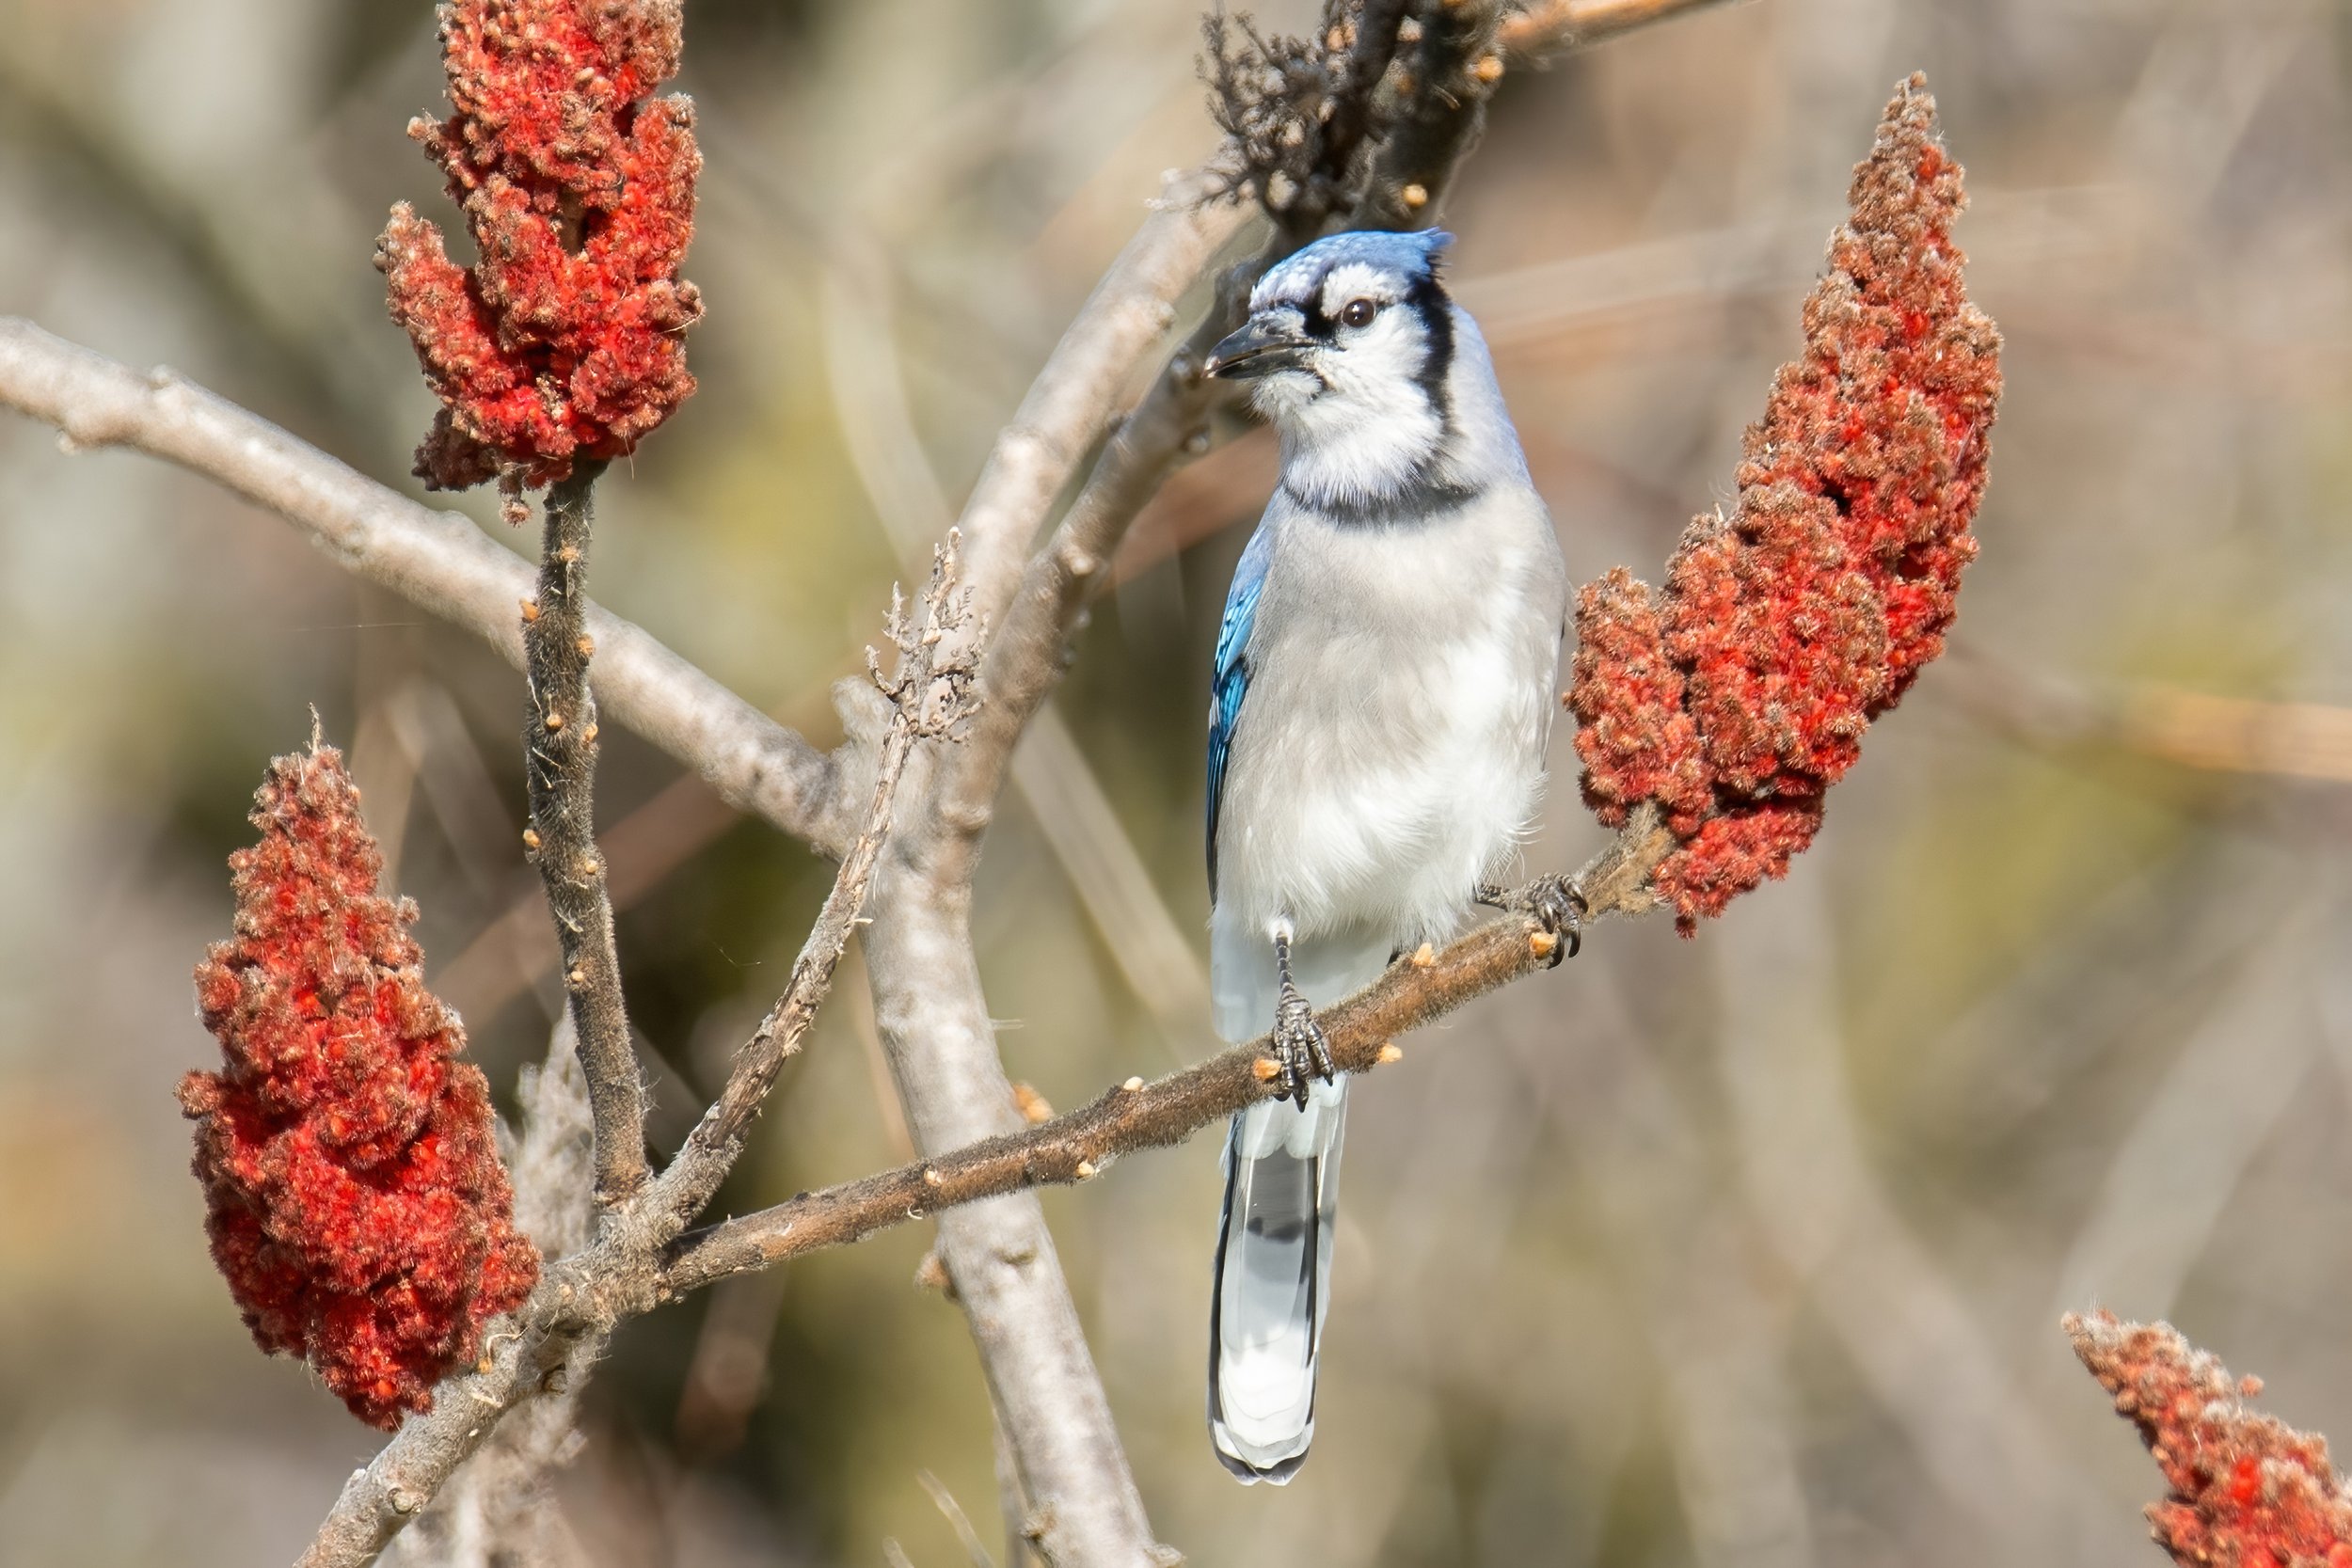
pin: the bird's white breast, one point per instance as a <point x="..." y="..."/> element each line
<point x="1391" y="749"/>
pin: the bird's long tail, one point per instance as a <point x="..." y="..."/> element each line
<point x="1273" y="1281"/>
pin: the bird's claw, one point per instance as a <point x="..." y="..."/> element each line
<point x="1300" y="1049"/>
<point x="1555" y="903"/>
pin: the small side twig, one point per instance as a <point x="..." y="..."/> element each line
<point x="1298" y="112"/>
<point x="1077" y="392"/>
<point x="559" y="761"/>
<point x="499" y="1506"/>
<point x="564" y="1324"/>
<point x="1548" y="26"/>
<point x="931" y="692"/>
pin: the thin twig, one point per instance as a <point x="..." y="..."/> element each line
<point x="565" y="1325"/>
<point x="1137" y="1116"/>
<point x="1065" y="799"/>
<point x="957" y="1519"/>
<point x="1378" y="23"/>
<point x="932" y="693"/>
<point x="1548" y="27"/>
<point x="2188" y="729"/>
<point x="560" y="763"/>
<point x="438" y="560"/>
<point x="511" y="951"/>
<point x="499" y="1506"/>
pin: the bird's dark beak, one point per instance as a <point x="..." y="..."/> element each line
<point x="1260" y="348"/>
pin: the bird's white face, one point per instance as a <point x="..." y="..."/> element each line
<point x="1350" y="364"/>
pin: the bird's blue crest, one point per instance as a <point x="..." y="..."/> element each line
<point x="1412" y="252"/>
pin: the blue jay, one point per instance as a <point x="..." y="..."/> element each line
<point x="1382" y="696"/>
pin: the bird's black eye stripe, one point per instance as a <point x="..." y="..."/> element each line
<point x="1436" y="314"/>
<point x="1316" y="323"/>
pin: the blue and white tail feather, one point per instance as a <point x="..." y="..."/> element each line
<point x="1380" y="703"/>
<point x="1273" y="1280"/>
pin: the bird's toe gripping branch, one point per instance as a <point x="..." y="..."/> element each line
<point x="1301" y="1049"/>
<point x="1556" y="902"/>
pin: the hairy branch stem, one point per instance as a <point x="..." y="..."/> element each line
<point x="560" y="763"/>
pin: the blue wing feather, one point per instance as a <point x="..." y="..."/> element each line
<point x="1231" y="681"/>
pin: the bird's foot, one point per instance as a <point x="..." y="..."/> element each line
<point x="1300" y="1050"/>
<point x="1555" y="903"/>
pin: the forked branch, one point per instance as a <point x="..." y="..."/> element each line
<point x="583" y="1298"/>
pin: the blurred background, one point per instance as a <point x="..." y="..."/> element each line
<point x="1743" y="1250"/>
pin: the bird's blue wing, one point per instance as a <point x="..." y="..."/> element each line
<point x="1231" y="681"/>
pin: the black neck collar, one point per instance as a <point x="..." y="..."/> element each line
<point x="1422" y="499"/>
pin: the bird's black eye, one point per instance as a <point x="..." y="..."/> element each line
<point x="1358" y="312"/>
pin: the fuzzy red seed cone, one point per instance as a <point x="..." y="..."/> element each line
<point x="2245" y="1490"/>
<point x="564" y="341"/>
<point x="1633" y="733"/>
<point x="1734" y="698"/>
<point x="352" y="1190"/>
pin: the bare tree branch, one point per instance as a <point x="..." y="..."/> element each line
<point x="2189" y="729"/>
<point x="563" y="1327"/>
<point x="438" y="560"/>
<point x="560" y="763"/>
<point x="585" y="1297"/>
<point x="937" y="1037"/>
<point x="1076" y="394"/>
<point x="1298" y="112"/>
<point x="499" y="1509"/>
<point x="441" y="562"/>
<point x="929" y="1010"/>
<point x="1065" y="800"/>
<point x="1071" y="1472"/>
<point x="1137" y="1116"/>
